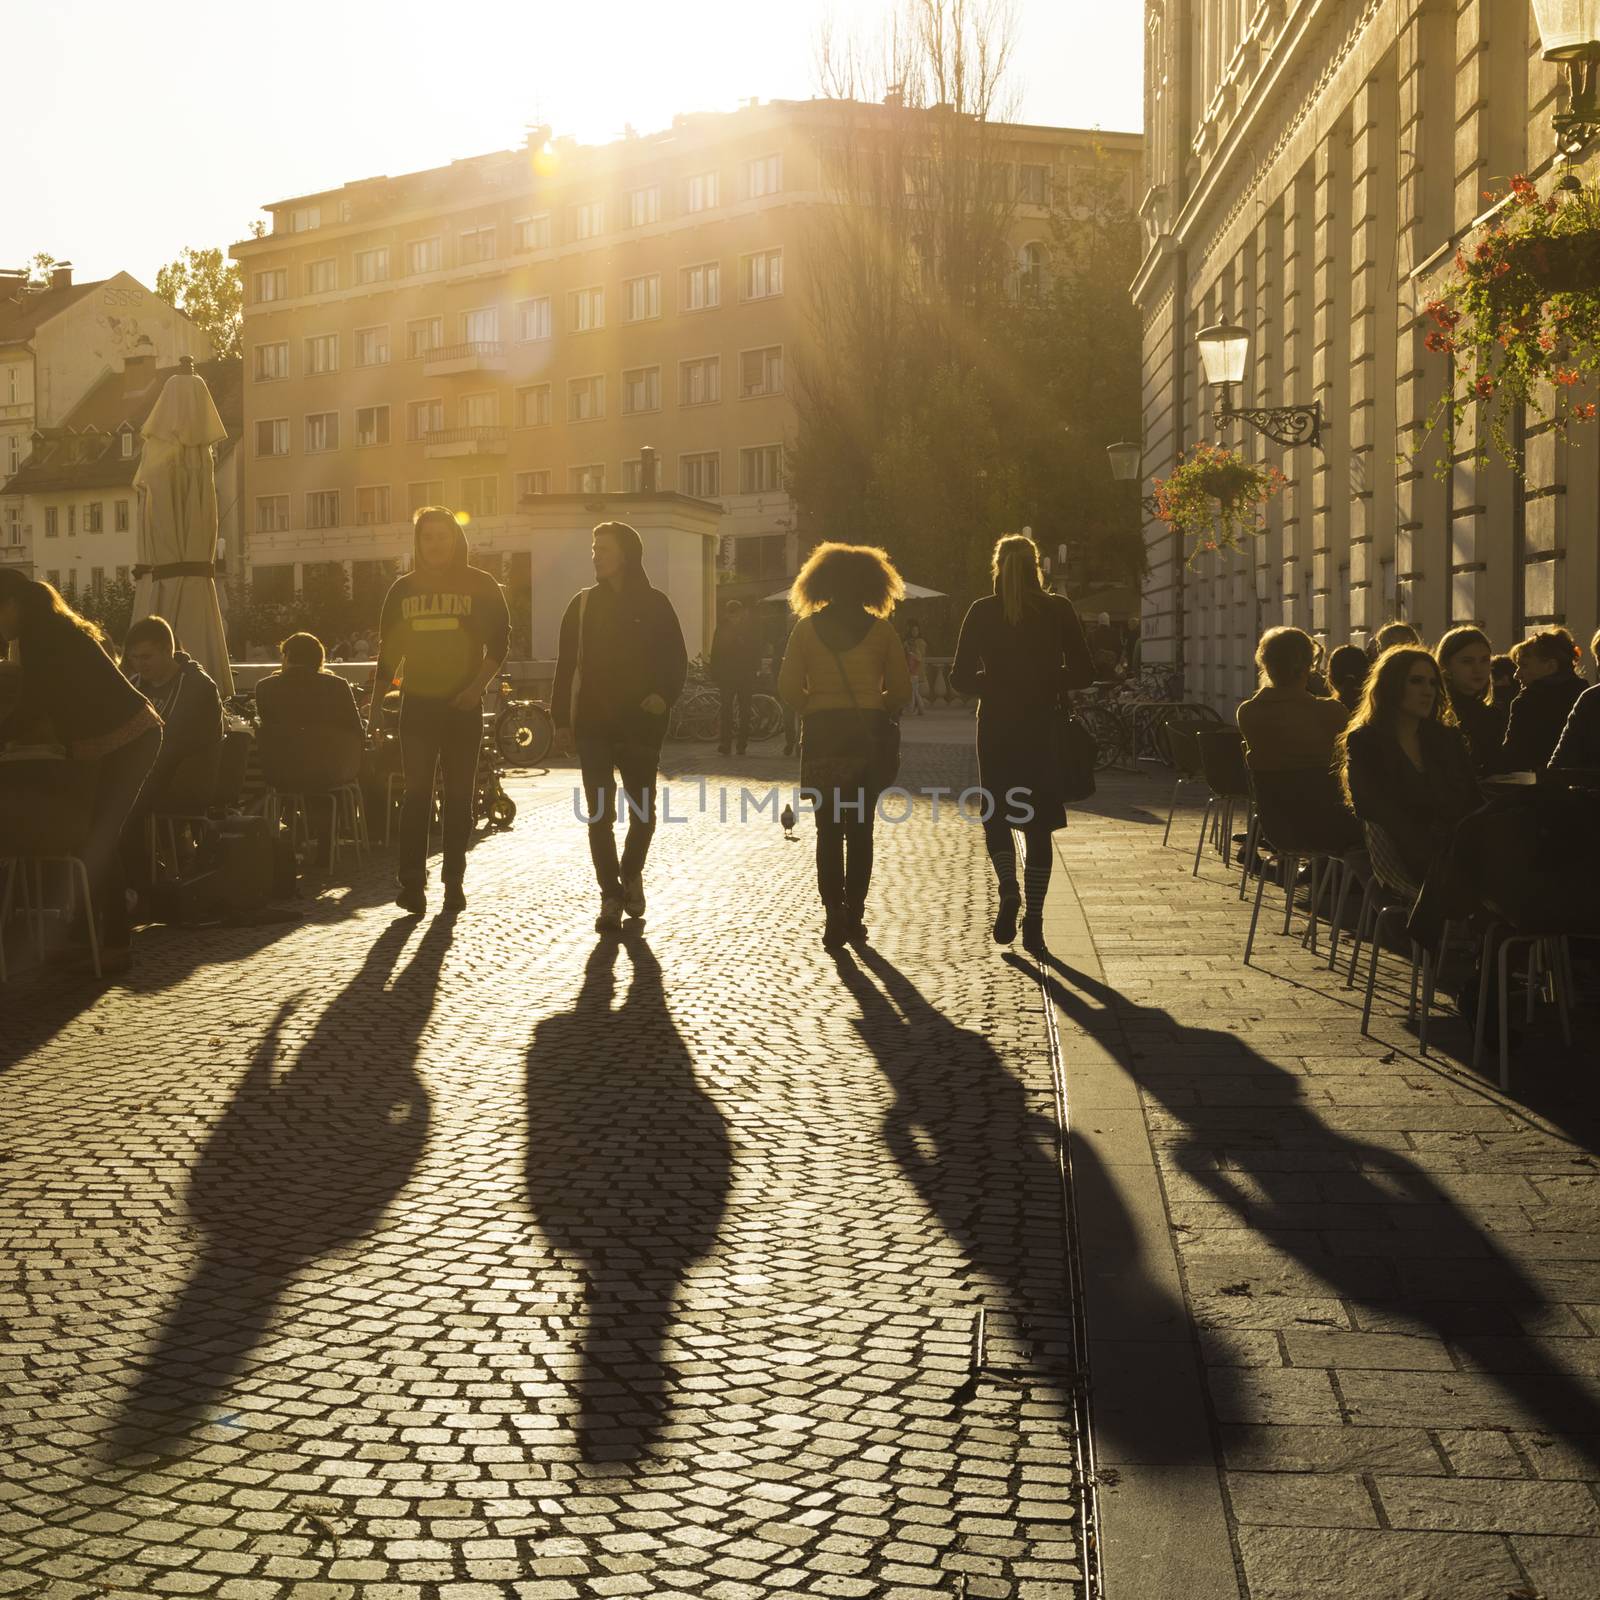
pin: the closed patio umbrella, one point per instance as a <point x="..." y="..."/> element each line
<point x="177" y="488"/>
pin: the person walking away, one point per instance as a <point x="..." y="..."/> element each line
<point x="310" y="726"/>
<point x="735" y="657"/>
<point x="916" y="660"/>
<point x="1464" y="655"/>
<point x="845" y="675"/>
<point x="444" y="626"/>
<point x="1105" y="647"/>
<point x="68" y="680"/>
<point x="620" y="665"/>
<point x="1547" y="672"/>
<point x="1020" y="650"/>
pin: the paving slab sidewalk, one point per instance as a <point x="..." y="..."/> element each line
<point x="1343" y="1300"/>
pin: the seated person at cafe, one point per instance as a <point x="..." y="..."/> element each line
<point x="1464" y="655"/>
<point x="184" y="777"/>
<point x="1348" y="667"/>
<point x="1405" y="766"/>
<point x="1578" y="749"/>
<point x="311" y="729"/>
<point x="1391" y="634"/>
<point x="1502" y="681"/>
<point x="1290" y="735"/>
<point x="1547" y="670"/>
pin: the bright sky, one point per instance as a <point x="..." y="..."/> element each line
<point x="143" y="129"/>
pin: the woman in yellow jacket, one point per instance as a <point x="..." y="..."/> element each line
<point x="845" y="674"/>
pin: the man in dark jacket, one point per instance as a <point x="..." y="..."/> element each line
<point x="621" y="664"/>
<point x="446" y="621"/>
<point x="735" y="659"/>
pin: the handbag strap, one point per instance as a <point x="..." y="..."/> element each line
<point x="844" y="678"/>
<point x="577" y="669"/>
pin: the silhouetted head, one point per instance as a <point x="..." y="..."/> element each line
<point x="849" y="574"/>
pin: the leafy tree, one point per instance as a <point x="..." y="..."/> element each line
<point x="40" y="266"/>
<point x="208" y="289"/>
<point x="110" y="607"/>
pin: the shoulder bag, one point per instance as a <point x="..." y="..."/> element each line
<point x="881" y="728"/>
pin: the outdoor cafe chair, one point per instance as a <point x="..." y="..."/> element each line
<point x="1222" y="763"/>
<point x="1180" y="736"/>
<point x="1276" y="827"/>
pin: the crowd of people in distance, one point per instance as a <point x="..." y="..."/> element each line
<point x="1469" y="780"/>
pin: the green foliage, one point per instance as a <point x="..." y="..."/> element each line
<point x="110" y="607"/>
<point x="1213" y="497"/>
<point x="209" y="290"/>
<point x="1519" y="318"/>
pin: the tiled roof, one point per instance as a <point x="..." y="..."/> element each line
<point x="22" y="313"/>
<point x="85" y="452"/>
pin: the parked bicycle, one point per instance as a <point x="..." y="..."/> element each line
<point x="523" y="728"/>
<point x="698" y="713"/>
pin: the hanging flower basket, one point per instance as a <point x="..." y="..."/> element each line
<point x="1214" y="497"/>
<point x="1518" y="318"/>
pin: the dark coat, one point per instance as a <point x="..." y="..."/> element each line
<point x="311" y="730"/>
<point x="69" y="681"/>
<point x="185" y="773"/>
<point x="1483" y="724"/>
<point x="735" y="651"/>
<point x="631" y="648"/>
<point x="1416" y="808"/>
<point x="1538" y="715"/>
<point x="1579" y="748"/>
<point x="1019" y="675"/>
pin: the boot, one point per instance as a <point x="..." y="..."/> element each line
<point x="855" y="927"/>
<point x="1033" y="933"/>
<point x="1005" y="920"/>
<point x="835" y="928"/>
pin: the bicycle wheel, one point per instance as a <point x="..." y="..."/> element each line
<point x="524" y="734"/>
<point x="766" y="717"/>
<point x="1106" y="727"/>
<point x="702" y="716"/>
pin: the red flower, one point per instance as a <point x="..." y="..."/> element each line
<point x="1484" y="387"/>
<point x="1585" y="413"/>
<point x="1565" y="376"/>
<point x="1524" y="191"/>
<point x="1440" y="344"/>
<point x="1485" y="250"/>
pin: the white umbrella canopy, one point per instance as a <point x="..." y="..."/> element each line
<point x="177" y="487"/>
<point x="914" y="591"/>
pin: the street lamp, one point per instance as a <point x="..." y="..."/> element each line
<point x="1569" y="31"/>
<point x="1127" y="463"/>
<point x="1223" y="348"/>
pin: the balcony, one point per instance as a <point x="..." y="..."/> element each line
<point x="479" y="355"/>
<point x="464" y="442"/>
<point x="16" y="410"/>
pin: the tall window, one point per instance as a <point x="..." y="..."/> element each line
<point x="272" y="285"/>
<point x="480" y="497"/>
<point x="532" y="483"/>
<point x="532" y="233"/>
<point x="644" y="205"/>
<point x="119" y="516"/>
<point x="481" y="410"/>
<point x="372" y="346"/>
<point x="763" y="176"/>
<point x="51" y="526"/>
<point x="426" y="334"/>
<point x="94" y="517"/>
<point x="762" y="274"/>
<point x="272" y="436"/>
<point x="372" y="266"/>
<point x="419" y="495"/>
<point x="633" y="476"/>
<point x="700" y="381"/>
<point x="424" y="417"/>
<point x="271" y="361"/>
<point x="533" y="406"/>
<point x="477" y="244"/>
<point x="1033" y="270"/>
<point x="1033" y="185"/>
<point x="586" y="309"/>
<point x="589" y="220"/>
<point x="641" y="390"/>
<point x="321" y="276"/>
<point x="761" y="372"/>
<point x="586" y="399"/>
<point x="700" y="287"/>
<point x="322" y="433"/>
<point x="481" y="326"/>
<point x="322" y="353"/>
<point x="642" y="297"/>
<point x="761" y="469"/>
<point x="372" y="427"/>
<point x="303" y="218"/>
<point x="423" y="255"/>
<point x="700" y="475"/>
<point x="533" y="318"/>
<point x="322" y="508"/>
<point x="372" y="505"/>
<point x="702" y="192"/>
<point x="587" y="480"/>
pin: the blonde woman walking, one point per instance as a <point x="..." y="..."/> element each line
<point x="845" y="674"/>
<point x="1020" y="650"/>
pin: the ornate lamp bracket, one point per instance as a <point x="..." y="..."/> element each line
<point x="1285" y="425"/>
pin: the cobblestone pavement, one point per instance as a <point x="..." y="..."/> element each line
<point x="363" y="1257"/>
<point x="1392" y="1269"/>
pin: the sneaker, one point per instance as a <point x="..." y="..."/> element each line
<point x="633" y="895"/>
<point x="1005" y="920"/>
<point x="412" y="899"/>
<point x="610" y="918"/>
<point x="455" y="898"/>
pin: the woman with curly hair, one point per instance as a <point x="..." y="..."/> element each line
<point x="1020" y="649"/>
<point x="844" y="673"/>
<point x="1548" y="684"/>
<point x="1403" y="762"/>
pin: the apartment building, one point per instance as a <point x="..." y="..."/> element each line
<point x="525" y="323"/>
<point x="58" y="340"/>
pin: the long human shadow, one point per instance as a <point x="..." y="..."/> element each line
<point x="987" y="1166"/>
<point x="628" y="1168"/>
<point x="1466" y="1289"/>
<point x="301" y="1164"/>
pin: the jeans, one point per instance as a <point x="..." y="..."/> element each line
<point x="434" y="732"/>
<point x="603" y="753"/>
<point x="736" y="696"/>
<point x="118" y="781"/>
<point x="844" y="859"/>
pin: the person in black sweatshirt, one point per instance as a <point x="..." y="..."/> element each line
<point x="620" y="665"/>
<point x="445" y="625"/>
<point x="1547" y="672"/>
<point x="1464" y="655"/>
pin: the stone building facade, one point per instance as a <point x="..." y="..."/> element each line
<point x="1311" y="166"/>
